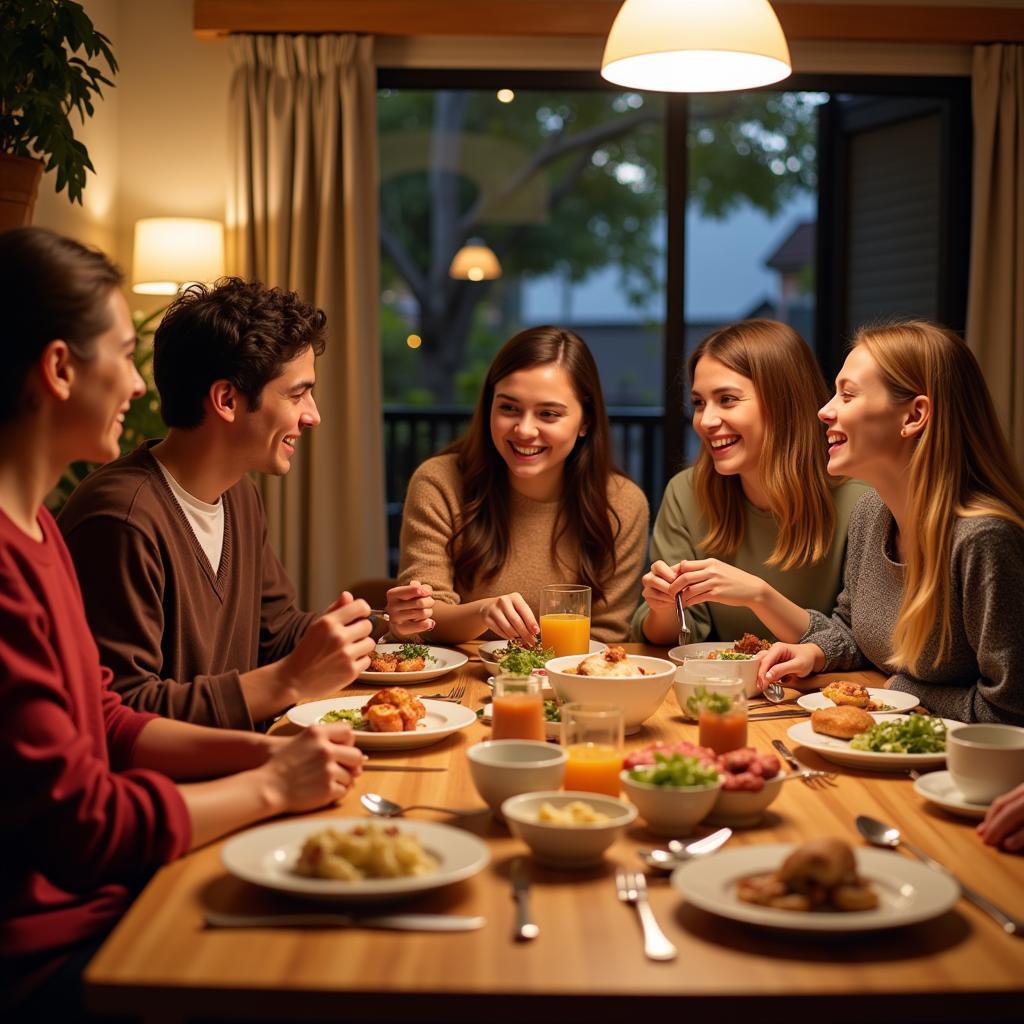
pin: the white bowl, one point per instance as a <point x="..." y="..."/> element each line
<point x="693" y="661"/>
<point x="638" y="697"/>
<point x="671" y="810"/>
<point x="504" y="768"/>
<point x="741" y="808"/>
<point x="567" y="846"/>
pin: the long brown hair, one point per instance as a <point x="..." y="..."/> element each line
<point x="790" y="389"/>
<point x="961" y="467"/>
<point x="480" y="544"/>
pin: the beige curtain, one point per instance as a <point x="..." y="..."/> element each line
<point x="995" y="313"/>
<point x="302" y="214"/>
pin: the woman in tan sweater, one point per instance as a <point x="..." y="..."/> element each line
<point x="528" y="496"/>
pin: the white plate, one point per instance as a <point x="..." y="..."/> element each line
<point x="898" y="701"/>
<point x="442" y="719"/>
<point x="266" y="856"/>
<point x="444" y="661"/>
<point x="547" y="691"/>
<point x="908" y="892"/>
<point x="840" y="752"/>
<point x="940" y="789"/>
<point x="487" y="650"/>
<point x="552" y="730"/>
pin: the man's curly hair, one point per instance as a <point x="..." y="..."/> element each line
<point x="238" y="331"/>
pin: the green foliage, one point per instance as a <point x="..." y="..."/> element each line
<point x="142" y="420"/>
<point x="42" y="81"/>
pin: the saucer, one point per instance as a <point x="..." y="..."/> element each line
<point x="939" y="788"/>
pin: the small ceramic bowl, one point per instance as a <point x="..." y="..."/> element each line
<point x="694" y="663"/>
<point x="567" y="846"/>
<point x="638" y="697"/>
<point x="740" y="808"/>
<point x="671" y="810"/>
<point x="504" y="768"/>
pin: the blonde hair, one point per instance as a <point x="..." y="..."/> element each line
<point x="961" y="467"/>
<point x="791" y="389"/>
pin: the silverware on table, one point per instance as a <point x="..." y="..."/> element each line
<point x="395" y="922"/>
<point x="385" y="808"/>
<point x="678" y="853"/>
<point x="684" y="629"/>
<point x="879" y="834"/>
<point x="788" y="713"/>
<point x="455" y="694"/>
<point x="402" y="768"/>
<point x="631" y="887"/>
<point x="787" y="755"/>
<point x="813" y="778"/>
<point x="525" y="928"/>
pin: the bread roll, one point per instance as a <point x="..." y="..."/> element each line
<point x="843" y="722"/>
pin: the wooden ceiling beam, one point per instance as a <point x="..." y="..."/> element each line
<point x="855" y="22"/>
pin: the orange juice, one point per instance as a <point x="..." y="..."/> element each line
<point x="723" y="733"/>
<point x="593" y="767"/>
<point x="566" y="633"/>
<point x="518" y="716"/>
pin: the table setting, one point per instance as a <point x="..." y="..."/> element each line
<point x="523" y="903"/>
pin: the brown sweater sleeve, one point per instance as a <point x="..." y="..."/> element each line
<point x="122" y="581"/>
<point x="428" y="521"/>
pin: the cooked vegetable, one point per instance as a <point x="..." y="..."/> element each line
<point x="351" y="715"/>
<point x="409" y="652"/>
<point x="676" y="770"/>
<point x="523" y="659"/>
<point x="912" y="734"/>
<point x="552" y="712"/>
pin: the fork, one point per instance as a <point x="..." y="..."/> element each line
<point x="809" y="777"/>
<point x="684" y="629"/>
<point x="813" y="778"/>
<point x="455" y="694"/>
<point x="631" y="887"/>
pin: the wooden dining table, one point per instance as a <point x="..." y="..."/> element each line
<point x="163" y="964"/>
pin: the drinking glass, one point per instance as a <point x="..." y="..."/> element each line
<point x="565" y="618"/>
<point x="720" y="707"/>
<point x="592" y="737"/>
<point x="518" y="708"/>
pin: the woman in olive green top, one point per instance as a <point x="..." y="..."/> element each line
<point x="755" y="531"/>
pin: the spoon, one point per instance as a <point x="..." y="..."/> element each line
<point x="879" y="834"/>
<point x="774" y="692"/>
<point x="384" y="808"/>
<point x="678" y="853"/>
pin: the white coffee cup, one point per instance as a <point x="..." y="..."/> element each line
<point x="985" y="761"/>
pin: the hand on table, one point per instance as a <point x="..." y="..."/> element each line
<point x="332" y="652"/>
<point x="409" y="608"/>
<point x="510" y="617"/>
<point x="795" y="660"/>
<point x="1004" y="822"/>
<point x="313" y="769"/>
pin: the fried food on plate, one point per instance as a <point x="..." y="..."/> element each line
<point x="851" y="694"/>
<point x="393" y="701"/>
<point x="842" y="722"/>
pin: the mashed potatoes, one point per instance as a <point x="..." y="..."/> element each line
<point x="367" y="851"/>
<point x="576" y="813"/>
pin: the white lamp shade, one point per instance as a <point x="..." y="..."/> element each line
<point x="475" y="262"/>
<point x="695" y="46"/>
<point x="173" y="251"/>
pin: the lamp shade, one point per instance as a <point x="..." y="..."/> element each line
<point x="173" y="251"/>
<point x="475" y="261"/>
<point x="695" y="46"/>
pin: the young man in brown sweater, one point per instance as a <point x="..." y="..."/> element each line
<point x="190" y="606"/>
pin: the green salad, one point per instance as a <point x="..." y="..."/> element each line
<point x="409" y="652"/>
<point x="912" y="734"/>
<point x="677" y="771"/>
<point x="351" y="715"/>
<point x="520" y="660"/>
<point x="733" y="656"/>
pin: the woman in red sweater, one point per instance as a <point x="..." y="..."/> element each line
<point x="88" y="785"/>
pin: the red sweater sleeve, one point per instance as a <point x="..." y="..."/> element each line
<point x="78" y="820"/>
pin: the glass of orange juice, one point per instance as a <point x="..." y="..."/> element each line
<point x="518" y="708"/>
<point x="592" y="737"/>
<point x="565" y="618"/>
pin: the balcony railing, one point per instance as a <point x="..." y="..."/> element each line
<point x="413" y="433"/>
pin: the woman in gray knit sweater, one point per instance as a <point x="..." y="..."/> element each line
<point x="935" y="560"/>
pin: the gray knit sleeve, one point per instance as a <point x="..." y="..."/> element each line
<point x="833" y="635"/>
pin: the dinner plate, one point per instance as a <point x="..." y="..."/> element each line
<point x="443" y="662"/>
<point x="266" y="856"/>
<point x="552" y="730"/>
<point x="840" y="752"/>
<point x="939" y="788"/>
<point x="486" y="652"/>
<point x="908" y="892"/>
<point x="898" y="701"/>
<point x="442" y="719"/>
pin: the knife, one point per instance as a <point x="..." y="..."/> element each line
<point x="395" y="922"/>
<point x="778" y="714"/>
<point x="525" y="928"/>
<point x="401" y="768"/>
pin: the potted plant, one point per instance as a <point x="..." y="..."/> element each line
<point x="41" y="82"/>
